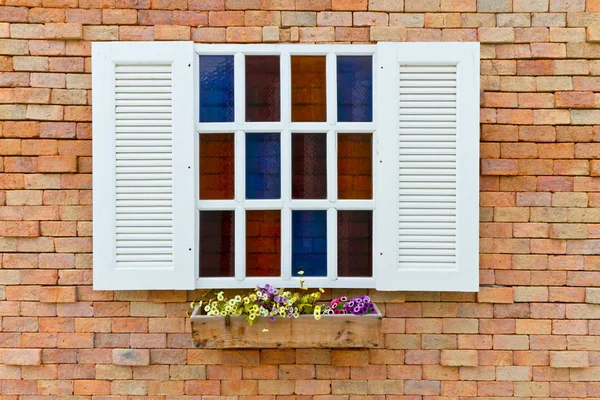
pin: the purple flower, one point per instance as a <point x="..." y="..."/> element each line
<point x="277" y="299"/>
<point x="272" y="318"/>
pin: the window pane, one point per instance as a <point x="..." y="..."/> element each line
<point x="309" y="166"/>
<point x="217" y="244"/>
<point x="216" y="166"/>
<point x="263" y="243"/>
<point x="309" y="242"/>
<point x="355" y="240"/>
<point x="262" y="88"/>
<point x="355" y="88"/>
<point x="355" y="178"/>
<point x="263" y="166"/>
<point x="308" y="89"/>
<point x="216" y="89"/>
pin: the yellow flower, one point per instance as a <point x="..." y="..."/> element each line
<point x="238" y="298"/>
<point x="220" y="296"/>
<point x="321" y="290"/>
<point x="252" y="317"/>
<point x="265" y="330"/>
<point x="253" y="297"/>
<point x="300" y="272"/>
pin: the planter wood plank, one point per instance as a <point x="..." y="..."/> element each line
<point x="332" y="331"/>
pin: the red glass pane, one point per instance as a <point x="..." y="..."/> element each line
<point x="355" y="239"/>
<point x="263" y="243"/>
<point x="216" y="166"/>
<point x="308" y="89"/>
<point x="217" y="243"/>
<point x="355" y="176"/>
<point x="262" y="88"/>
<point x="309" y="166"/>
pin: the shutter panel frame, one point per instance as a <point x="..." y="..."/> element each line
<point x="165" y="243"/>
<point x="412" y="64"/>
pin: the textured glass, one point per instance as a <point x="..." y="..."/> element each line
<point x="263" y="166"/>
<point x="309" y="242"/>
<point x="355" y="177"/>
<point x="262" y="88"/>
<point x="309" y="166"/>
<point x="355" y="88"/>
<point x="355" y="240"/>
<point x="263" y="243"/>
<point x="216" y="166"/>
<point x="308" y="89"/>
<point x="217" y="244"/>
<point x="216" y="89"/>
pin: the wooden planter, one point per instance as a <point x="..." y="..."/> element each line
<point x="331" y="331"/>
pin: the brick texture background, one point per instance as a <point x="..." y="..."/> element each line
<point x="532" y="332"/>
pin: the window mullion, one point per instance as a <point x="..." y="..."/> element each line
<point x="331" y="88"/>
<point x="286" y="168"/>
<point x="239" y="85"/>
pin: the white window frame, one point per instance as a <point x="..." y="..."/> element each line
<point x="330" y="127"/>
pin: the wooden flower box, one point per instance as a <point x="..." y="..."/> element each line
<point x="331" y="331"/>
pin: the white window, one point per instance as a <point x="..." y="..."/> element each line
<point x="226" y="166"/>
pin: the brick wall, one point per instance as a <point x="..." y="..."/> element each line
<point x="533" y="330"/>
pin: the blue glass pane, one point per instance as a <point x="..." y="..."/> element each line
<point x="355" y="88"/>
<point x="309" y="243"/>
<point x="216" y="88"/>
<point x="263" y="166"/>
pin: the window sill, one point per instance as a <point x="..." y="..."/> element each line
<point x="332" y="331"/>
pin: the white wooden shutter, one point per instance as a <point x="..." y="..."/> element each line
<point x="427" y="191"/>
<point x="143" y="163"/>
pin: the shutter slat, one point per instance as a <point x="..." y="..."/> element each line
<point x="136" y="205"/>
<point x="420" y="123"/>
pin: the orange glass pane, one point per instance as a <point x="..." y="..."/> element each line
<point x="216" y="166"/>
<point x="355" y="166"/>
<point x="263" y="243"/>
<point x="308" y="89"/>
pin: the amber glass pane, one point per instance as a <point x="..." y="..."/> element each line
<point x="355" y="177"/>
<point x="263" y="243"/>
<point x="355" y="239"/>
<point x="309" y="166"/>
<point x="262" y="88"/>
<point x="216" y="243"/>
<point x="308" y="89"/>
<point x="216" y="166"/>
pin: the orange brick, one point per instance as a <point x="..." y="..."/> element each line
<point x="58" y="294"/>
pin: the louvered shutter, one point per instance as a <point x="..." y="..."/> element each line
<point x="143" y="165"/>
<point x="427" y="191"/>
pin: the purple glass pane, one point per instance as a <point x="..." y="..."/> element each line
<point x="217" y="244"/>
<point x="355" y="240"/>
<point x="262" y="88"/>
<point x="309" y="166"/>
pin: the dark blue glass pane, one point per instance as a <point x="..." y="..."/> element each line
<point x="309" y="243"/>
<point x="355" y="88"/>
<point x="263" y="166"/>
<point x="216" y="88"/>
